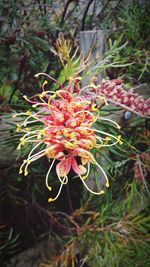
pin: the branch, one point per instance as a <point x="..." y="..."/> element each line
<point x="84" y="16"/>
<point x="65" y="11"/>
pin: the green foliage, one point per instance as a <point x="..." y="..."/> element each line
<point x="110" y="59"/>
<point x="134" y="23"/>
<point x="9" y="244"/>
<point x="112" y="230"/>
<point x="116" y="233"/>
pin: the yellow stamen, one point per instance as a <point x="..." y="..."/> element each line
<point x="20" y="171"/>
<point x="18" y="128"/>
<point x="107" y="139"/>
<point x="43" y="94"/>
<point x="19" y="147"/>
<point x="68" y="144"/>
<point x="73" y="135"/>
<point x="51" y="199"/>
<point x="27" y="129"/>
<point x="103" y="99"/>
<point x="45" y="82"/>
<point x="25" y="173"/>
<point x="106" y="119"/>
<point x="28" y="113"/>
<point x="91" y="191"/>
<point x="64" y="181"/>
<point x="119" y="140"/>
<point x="94" y="108"/>
<point x="107" y="184"/>
<point x="23" y="142"/>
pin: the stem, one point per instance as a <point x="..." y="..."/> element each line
<point x="69" y="199"/>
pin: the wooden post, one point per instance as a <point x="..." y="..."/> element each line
<point x="96" y="42"/>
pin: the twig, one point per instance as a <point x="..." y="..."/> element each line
<point x="65" y="11"/>
<point x="142" y="175"/>
<point x="84" y="15"/>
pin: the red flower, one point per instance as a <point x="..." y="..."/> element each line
<point x="66" y="129"/>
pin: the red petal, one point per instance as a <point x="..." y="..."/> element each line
<point x="75" y="166"/>
<point x="63" y="167"/>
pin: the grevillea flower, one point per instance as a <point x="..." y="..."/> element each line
<point x="64" y="124"/>
<point x="129" y="100"/>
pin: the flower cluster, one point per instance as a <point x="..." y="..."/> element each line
<point x="128" y="100"/>
<point x="64" y="132"/>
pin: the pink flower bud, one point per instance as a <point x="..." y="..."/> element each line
<point x="112" y="90"/>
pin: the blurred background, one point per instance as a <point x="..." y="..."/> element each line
<point x="78" y="229"/>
